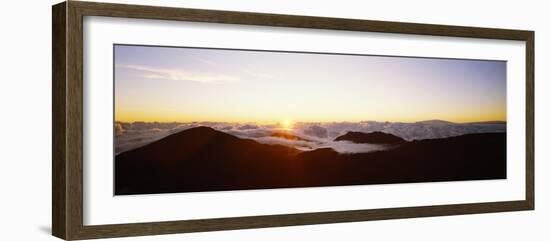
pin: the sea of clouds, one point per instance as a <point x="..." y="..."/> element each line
<point x="309" y="136"/>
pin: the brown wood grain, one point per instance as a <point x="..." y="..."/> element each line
<point x="155" y="228"/>
<point x="67" y="123"/>
<point x="58" y="121"/>
<point x="530" y="120"/>
<point x="74" y="107"/>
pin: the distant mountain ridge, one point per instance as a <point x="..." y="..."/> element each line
<point x="204" y="159"/>
<point x="435" y="121"/>
<point x="444" y="122"/>
<point x="488" y="122"/>
<point x="375" y="137"/>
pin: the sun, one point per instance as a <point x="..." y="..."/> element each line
<point x="286" y="124"/>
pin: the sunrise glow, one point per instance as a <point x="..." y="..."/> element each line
<point x="188" y="84"/>
<point x="286" y="124"/>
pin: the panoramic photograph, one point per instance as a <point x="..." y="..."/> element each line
<point x="192" y="119"/>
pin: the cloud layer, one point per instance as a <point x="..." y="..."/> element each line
<point x="304" y="136"/>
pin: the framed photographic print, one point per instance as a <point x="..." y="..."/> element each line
<point x="171" y="120"/>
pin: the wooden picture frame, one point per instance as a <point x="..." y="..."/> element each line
<point x="67" y="150"/>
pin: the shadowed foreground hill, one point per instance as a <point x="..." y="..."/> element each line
<point x="203" y="159"/>
<point x="376" y="137"/>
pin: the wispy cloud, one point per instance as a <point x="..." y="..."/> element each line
<point x="208" y="62"/>
<point x="258" y="75"/>
<point x="179" y="74"/>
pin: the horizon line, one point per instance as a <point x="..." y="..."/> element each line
<point x="309" y="122"/>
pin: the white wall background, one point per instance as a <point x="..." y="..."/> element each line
<point x="25" y="110"/>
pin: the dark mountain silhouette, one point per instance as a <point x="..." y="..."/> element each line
<point x="199" y="159"/>
<point x="376" y="137"/>
<point x="203" y="159"/>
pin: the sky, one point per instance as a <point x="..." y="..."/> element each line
<point x="176" y="84"/>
